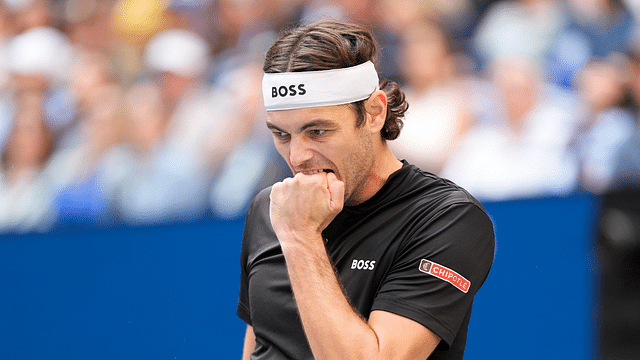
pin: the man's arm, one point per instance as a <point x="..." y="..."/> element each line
<point x="249" y="343"/>
<point x="300" y="209"/>
<point x="334" y="329"/>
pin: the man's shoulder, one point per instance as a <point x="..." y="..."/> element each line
<point x="263" y="195"/>
<point x="260" y="204"/>
<point x="431" y="188"/>
<point x="258" y="232"/>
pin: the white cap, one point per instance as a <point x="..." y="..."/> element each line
<point x="178" y="51"/>
<point x="40" y="51"/>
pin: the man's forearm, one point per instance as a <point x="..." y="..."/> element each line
<point x="334" y="330"/>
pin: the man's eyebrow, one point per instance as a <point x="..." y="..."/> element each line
<point x="273" y="127"/>
<point x="311" y="124"/>
<point x="318" y="123"/>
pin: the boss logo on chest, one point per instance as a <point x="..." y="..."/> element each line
<point x="291" y="90"/>
<point x="363" y="264"/>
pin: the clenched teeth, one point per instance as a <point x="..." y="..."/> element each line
<point x="311" y="172"/>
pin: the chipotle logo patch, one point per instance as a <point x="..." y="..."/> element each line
<point x="446" y="274"/>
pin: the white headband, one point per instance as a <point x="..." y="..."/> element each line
<point x="296" y="90"/>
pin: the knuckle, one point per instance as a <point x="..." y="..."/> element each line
<point x="285" y="182"/>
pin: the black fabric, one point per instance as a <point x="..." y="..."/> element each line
<point x="377" y="248"/>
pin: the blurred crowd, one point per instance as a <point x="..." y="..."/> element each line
<point x="150" y="111"/>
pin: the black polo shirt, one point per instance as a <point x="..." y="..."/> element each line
<point x="420" y="248"/>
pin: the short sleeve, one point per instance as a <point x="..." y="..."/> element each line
<point x="243" y="310"/>
<point x="438" y="271"/>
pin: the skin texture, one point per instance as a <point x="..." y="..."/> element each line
<point x="312" y="140"/>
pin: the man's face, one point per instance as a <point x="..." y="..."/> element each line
<point x="325" y="139"/>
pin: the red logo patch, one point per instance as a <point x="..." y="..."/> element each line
<point x="446" y="274"/>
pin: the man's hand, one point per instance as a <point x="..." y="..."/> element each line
<point x="304" y="205"/>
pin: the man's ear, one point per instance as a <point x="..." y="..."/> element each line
<point x="376" y="108"/>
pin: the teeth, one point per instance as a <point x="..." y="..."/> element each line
<point x="312" y="172"/>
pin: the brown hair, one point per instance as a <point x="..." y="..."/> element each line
<point x="330" y="44"/>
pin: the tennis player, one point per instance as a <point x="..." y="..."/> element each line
<point x="359" y="255"/>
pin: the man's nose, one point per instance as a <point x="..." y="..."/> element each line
<point x="299" y="152"/>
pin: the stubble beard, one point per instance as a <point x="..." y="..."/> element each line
<point x="360" y="169"/>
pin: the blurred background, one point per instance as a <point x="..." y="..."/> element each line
<point x="139" y="114"/>
<point x="149" y="111"/>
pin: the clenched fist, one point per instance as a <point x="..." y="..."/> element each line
<point x="302" y="206"/>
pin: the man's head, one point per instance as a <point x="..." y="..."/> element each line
<point x="340" y="119"/>
<point x="328" y="45"/>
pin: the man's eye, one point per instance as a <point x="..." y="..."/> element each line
<point x="317" y="132"/>
<point x="280" y="135"/>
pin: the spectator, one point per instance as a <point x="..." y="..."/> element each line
<point x="86" y="173"/>
<point x="39" y="59"/>
<point x="594" y="28"/>
<point x="31" y="14"/>
<point x="437" y="114"/>
<point x="608" y="125"/>
<point x="25" y="197"/>
<point x="526" y="28"/>
<point x="607" y="25"/>
<point x="524" y="152"/>
<point x="177" y="121"/>
<point x="39" y="107"/>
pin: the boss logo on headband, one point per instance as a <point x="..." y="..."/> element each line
<point x="291" y="90"/>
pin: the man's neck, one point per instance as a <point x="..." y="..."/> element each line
<point x="384" y="165"/>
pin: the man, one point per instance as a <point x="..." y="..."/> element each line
<point x="358" y="255"/>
